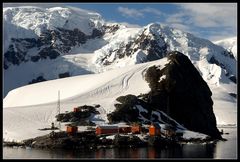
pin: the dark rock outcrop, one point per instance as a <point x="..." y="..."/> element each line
<point x="233" y="95"/>
<point x="14" y="57"/>
<point x="48" y="52"/>
<point x="182" y="94"/>
<point x="233" y="78"/>
<point x="125" y="110"/>
<point x="50" y="44"/>
<point x="110" y="28"/>
<point x="64" y="75"/>
<point x="136" y="109"/>
<point x="81" y="117"/>
<point x="37" y="80"/>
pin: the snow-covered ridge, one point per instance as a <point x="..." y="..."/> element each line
<point x="197" y="49"/>
<point x="229" y="44"/>
<point x="31" y="21"/>
<point x="37" y="19"/>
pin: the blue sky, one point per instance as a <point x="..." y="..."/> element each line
<point x="212" y="21"/>
<point x="208" y="20"/>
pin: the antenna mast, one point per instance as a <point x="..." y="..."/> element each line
<point x="58" y="109"/>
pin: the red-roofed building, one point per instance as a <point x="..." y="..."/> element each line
<point x="108" y="129"/>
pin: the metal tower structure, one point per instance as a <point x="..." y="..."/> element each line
<point x="58" y="109"/>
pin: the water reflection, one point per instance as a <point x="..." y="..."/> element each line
<point x="184" y="151"/>
<point x="227" y="149"/>
<point x="198" y="151"/>
<point x="151" y="153"/>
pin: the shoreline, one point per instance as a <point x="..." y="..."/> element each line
<point x="88" y="140"/>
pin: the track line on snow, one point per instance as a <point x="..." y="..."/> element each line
<point x="102" y="89"/>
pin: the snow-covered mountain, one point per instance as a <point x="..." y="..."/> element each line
<point x="34" y="37"/>
<point x="229" y="44"/>
<point x="32" y="22"/>
<point x="49" y="43"/>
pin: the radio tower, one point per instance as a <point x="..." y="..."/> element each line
<point x="58" y="109"/>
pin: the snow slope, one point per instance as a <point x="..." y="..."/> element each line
<point x="229" y="44"/>
<point x="32" y="107"/>
<point x="30" y="21"/>
<point x="38" y="101"/>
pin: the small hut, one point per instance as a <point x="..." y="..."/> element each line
<point x="71" y="130"/>
<point x="76" y="109"/>
<point x="106" y="129"/>
<point x="154" y="130"/>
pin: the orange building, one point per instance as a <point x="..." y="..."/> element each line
<point x="154" y="130"/>
<point x="72" y="129"/>
<point x="76" y="109"/>
<point x="136" y="129"/>
<point x="106" y="130"/>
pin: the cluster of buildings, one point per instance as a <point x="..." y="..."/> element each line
<point x="153" y="129"/>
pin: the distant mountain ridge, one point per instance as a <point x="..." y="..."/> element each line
<point x="49" y="42"/>
<point x="229" y="44"/>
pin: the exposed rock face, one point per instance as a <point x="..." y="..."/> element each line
<point x="125" y="111"/>
<point x="136" y="109"/>
<point x="38" y="79"/>
<point x="110" y="28"/>
<point x="50" y="44"/>
<point x="182" y="94"/>
<point x="80" y="117"/>
<point x="152" y="44"/>
<point x="17" y="51"/>
<point x="64" y="75"/>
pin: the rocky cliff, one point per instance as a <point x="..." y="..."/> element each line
<point x="180" y="91"/>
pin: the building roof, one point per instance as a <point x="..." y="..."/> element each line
<point x="107" y="127"/>
<point x="156" y="125"/>
<point x="124" y="126"/>
<point x="166" y="126"/>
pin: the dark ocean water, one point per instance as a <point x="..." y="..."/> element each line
<point x="220" y="150"/>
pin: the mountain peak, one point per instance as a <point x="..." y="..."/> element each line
<point x="152" y="28"/>
<point x="37" y="19"/>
